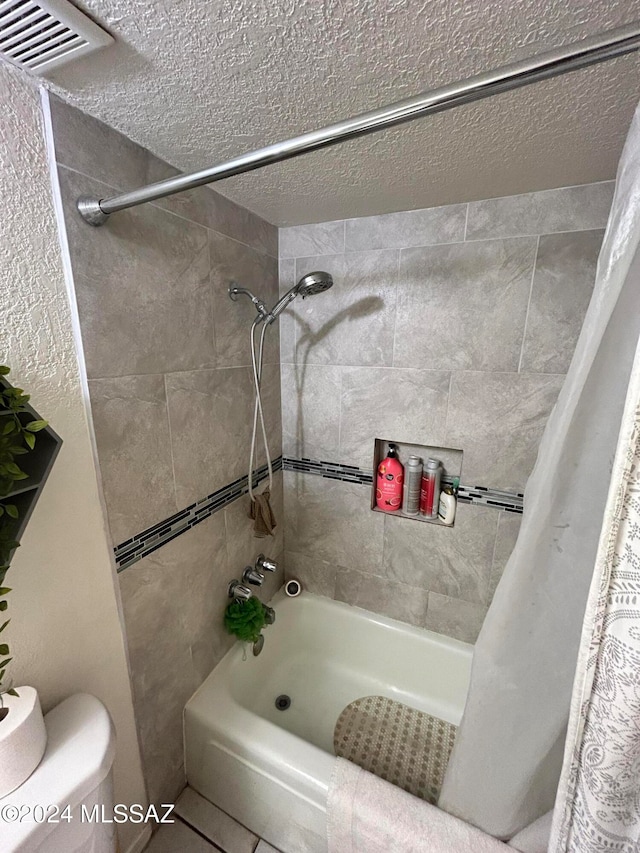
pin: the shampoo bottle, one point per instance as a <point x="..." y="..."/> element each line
<point x="430" y="491"/>
<point x="412" y="484"/>
<point x="389" y="482"/>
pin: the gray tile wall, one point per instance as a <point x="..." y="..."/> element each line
<point x="168" y="358"/>
<point x="451" y="326"/>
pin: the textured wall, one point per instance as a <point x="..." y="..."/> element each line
<point x="168" y="357"/>
<point x="65" y="633"/>
<point x="198" y="83"/>
<point x="450" y="326"/>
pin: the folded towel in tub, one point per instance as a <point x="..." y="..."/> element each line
<point x="366" y="814"/>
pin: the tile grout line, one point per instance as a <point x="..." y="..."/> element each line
<point x="526" y="316"/>
<point x="395" y="312"/>
<point x="466" y="240"/>
<point x="294" y="316"/>
<point x="453" y="204"/>
<point x="212" y="311"/>
<point x="333" y="364"/>
<point x="446" y="417"/>
<point x="487" y="600"/>
<point x="173" y="464"/>
<point x="340" y="413"/>
<point x="186" y="370"/>
<point x="196" y="831"/>
<point x="119" y="190"/>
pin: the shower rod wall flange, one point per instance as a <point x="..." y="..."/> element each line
<point x="91" y="211"/>
<point x="561" y="60"/>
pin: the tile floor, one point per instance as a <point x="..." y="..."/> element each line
<point x="201" y="827"/>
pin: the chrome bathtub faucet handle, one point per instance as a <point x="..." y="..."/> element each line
<point x="264" y="564"/>
<point x="239" y="591"/>
<point x="253" y="576"/>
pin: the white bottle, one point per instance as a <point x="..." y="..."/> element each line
<point x="412" y="483"/>
<point x="447" y="506"/>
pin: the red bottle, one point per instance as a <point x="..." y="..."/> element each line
<point x="389" y="482"/>
<point x="430" y="491"/>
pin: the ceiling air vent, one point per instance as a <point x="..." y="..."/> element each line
<point x="39" y="36"/>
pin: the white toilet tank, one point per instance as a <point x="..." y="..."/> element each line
<point x="76" y="772"/>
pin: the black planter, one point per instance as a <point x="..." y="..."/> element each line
<point x="37" y="463"/>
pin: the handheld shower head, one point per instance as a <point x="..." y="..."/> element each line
<point x="312" y="283"/>
<point x="309" y="284"/>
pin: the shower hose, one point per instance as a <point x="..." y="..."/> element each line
<point x="256" y="364"/>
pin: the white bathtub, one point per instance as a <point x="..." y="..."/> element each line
<point x="270" y="769"/>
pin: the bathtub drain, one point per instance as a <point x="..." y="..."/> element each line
<point x="283" y="702"/>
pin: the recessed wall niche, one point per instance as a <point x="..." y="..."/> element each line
<point x="450" y="458"/>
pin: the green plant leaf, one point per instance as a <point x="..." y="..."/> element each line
<point x="12" y="692"/>
<point x="12" y="468"/>
<point x="3" y="606"/>
<point x="5" y="590"/>
<point x="36" y="426"/>
<point x="4" y="370"/>
<point x="4" y="649"/>
<point x="3" y="663"/>
<point x="15" y="440"/>
<point x="4" y="625"/>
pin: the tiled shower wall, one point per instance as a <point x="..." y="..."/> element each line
<point x="450" y="326"/>
<point x="167" y="357"/>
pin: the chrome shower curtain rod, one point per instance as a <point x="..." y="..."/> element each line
<point x="552" y="63"/>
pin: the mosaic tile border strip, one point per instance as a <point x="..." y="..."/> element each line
<point x="496" y="498"/>
<point x="478" y="495"/>
<point x="149" y="540"/>
<point x="330" y="470"/>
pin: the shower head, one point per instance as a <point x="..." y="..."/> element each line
<point x="309" y="284"/>
<point x="312" y="283"/>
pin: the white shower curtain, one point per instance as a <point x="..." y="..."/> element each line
<point x="598" y="802"/>
<point x="506" y="763"/>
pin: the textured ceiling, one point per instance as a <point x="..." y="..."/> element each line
<point x="199" y="82"/>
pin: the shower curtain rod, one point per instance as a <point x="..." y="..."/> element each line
<point x="598" y="48"/>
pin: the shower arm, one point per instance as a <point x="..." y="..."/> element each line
<point x="235" y="291"/>
<point x="561" y="60"/>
